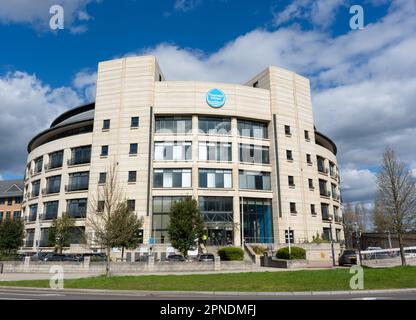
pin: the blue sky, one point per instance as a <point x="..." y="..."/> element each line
<point x="362" y="80"/>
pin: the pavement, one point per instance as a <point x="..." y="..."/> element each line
<point x="13" y="293"/>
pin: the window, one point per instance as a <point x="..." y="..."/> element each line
<point x="327" y="234"/>
<point x="134" y="122"/>
<point x="80" y="155"/>
<point x="103" y="178"/>
<point x="53" y="185"/>
<point x="160" y="221"/>
<point x="133" y="149"/>
<point x="100" y="206"/>
<point x="293" y="208"/>
<point x="333" y="190"/>
<point x="257" y="217"/>
<point x="287" y="131"/>
<point x="9" y="201"/>
<point x="291" y="181"/>
<point x="33" y="212"/>
<point x="18" y="200"/>
<point x="290" y="236"/>
<point x="35" y="188"/>
<point x="325" y="211"/>
<point x="1" y="215"/>
<point x="173" y="125"/>
<point x="50" y="210"/>
<point x="16" y="215"/>
<point x="38" y="165"/>
<point x="321" y="165"/>
<point x="254" y="154"/>
<point x="106" y="124"/>
<point x="173" y="151"/>
<point x="289" y="155"/>
<point x="104" y="151"/>
<point x="255" y="180"/>
<point x="55" y="160"/>
<point x="219" y="179"/>
<point x="310" y="182"/>
<point x="131" y="205"/>
<point x="332" y="170"/>
<point x="252" y="129"/>
<point x="132" y="176"/>
<point x="307" y="137"/>
<point x="216" y="209"/>
<point x="309" y="159"/>
<point x="8" y="215"/>
<point x="313" y="210"/>
<point x="30" y="236"/>
<point x="215" y="151"/>
<point x="77" y="208"/>
<point x="338" y="235"/>
<point x="220" y="126"/>
<point x="172" y="178"/>
<point x="2" y="201"/>
<point x="78" y="181"/>
<point x="336" y="217"/>
<point x="322" y="188"/>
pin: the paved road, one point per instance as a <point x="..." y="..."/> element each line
<point x="35" y="294"/>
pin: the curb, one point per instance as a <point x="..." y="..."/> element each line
<point x="215" y="293"/>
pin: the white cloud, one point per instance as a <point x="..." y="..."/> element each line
<point x="186" y="5"/>
<point x="358" y="185"/>
<point x="85" y="82"/>
<point x="27" y="106"/>
<point x="36" y="13"/>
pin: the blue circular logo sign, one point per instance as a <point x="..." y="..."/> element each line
<point x="216" y="98"/>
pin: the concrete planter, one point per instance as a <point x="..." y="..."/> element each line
<point x="283" y="264"/>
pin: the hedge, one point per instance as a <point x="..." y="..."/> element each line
<point x="231" y="254"/>
<point x="296" y="253"/>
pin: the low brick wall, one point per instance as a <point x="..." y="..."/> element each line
<point x="318" y="255"/>
<point x="283" y="264"/>
<point x="393" y="262"/>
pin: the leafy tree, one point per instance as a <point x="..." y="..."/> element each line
<point x="186" y="225"/>
<point x="60" y="233"/>
<point x="12" y="233"/>
<point x="397" y="196"/>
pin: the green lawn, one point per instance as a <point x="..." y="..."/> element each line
<point x="313" y="280"/>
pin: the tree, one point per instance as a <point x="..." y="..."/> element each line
<point x="186" y="225"/>
<point x="109" y="217"/>
<point x="380" y="219"/>
<point x="396" y="191"/>
<point x="12" y="233"/>
<point x="128" y="227"/>
<point x="60" y="232"/>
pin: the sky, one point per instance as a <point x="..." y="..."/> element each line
<point x="363" y="80"/>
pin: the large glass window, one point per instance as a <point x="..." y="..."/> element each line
<point x="33" y="212"/>
<point x="257" y="220"/>
<point x="252" y="129"/>
<point x="173" y="151"/>
<point x="215" y="151"/>
<point x="35" y="188"/>
<point x="50" y="210"/>
<point x="254" y="154"/>
<point x="172" y="178"/>
<point x="212" y="178"/>
<point x="321" y="164"/>
<point x="213" y="125"/>
<point x="173" y="125"/>
<point x="44" y="238"/>
<point x="53" y="185"/>
<point x="30" y="237"/>
<point x="255" y="180"/>
<point x="55" y="160"/>
<point x="161" y="210"/>
<point x="325" y="211"/>
<point x="323" y="189"/>
<point x="216" y="209"/>
<point x="38" y="165"/>
<point x="80" y="155"/>
<point x="78" y="181"/>
<point x="76" y="208"/>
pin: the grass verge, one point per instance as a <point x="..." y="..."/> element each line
<point x="308" y="280"/>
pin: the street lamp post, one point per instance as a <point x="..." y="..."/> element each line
<point x="332" y="242"/>
<point x="358" y="235"/>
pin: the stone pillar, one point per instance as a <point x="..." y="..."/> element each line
<point x="151" y="263"/>
<point x="86" y="264"/>
<point x="217" y="263"/>
<point x="26" y="264"/>
<point x="133" y="257"/>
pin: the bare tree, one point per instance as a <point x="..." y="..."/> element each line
<point x="397" y="196"/>
<point x="110" y="219"/>
<point x="380" y="219"/>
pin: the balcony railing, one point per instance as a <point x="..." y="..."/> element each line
<point x="325" y="193"/>
<point x="34" y="194"/>
<point x="31" y="218"/>
<point x="29" y="243"/>
<point x="76" y="215"/>
<point x="47" y="191"/>
<point x="322" y="169"/>
<point x="77" y="187"/>
<point x="78" y="161"/>
<point x="51" y="166"/>
<point x="325" y="216"/>
<point x="48" y="216"/>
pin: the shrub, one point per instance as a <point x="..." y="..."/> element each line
<point x="231" y="254"/>
<point x="296" y="253"/>
<point x="259" y="250"/>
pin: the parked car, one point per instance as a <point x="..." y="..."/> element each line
<point x="73" y="257"/>
<point x="410" y="253"/>
<point x="206" y="257"/>
<point x="348" y="257"/>
<point x="54" y="257"/>
<point x="94" y="257"/>
<point x="176" y="258"/>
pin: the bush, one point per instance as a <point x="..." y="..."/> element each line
<point x="259" y="250"/>
<point x="231" y="254"/>
<point x="296" y="253"/>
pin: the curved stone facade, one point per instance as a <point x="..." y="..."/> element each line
<point x="252" y="162"/>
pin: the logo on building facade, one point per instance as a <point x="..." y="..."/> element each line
<point x="216" y="98"/>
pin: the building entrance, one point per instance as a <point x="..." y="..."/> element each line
<point x="219" y="237"/>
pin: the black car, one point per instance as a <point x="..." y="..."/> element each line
<point x="54" y="257"/>
<point x="348" y="257"/>
<point x="72" y="257"/>
<point x="176" y="258"/>
<point x="94" y="257"/>
<point x="206" y="257"/>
